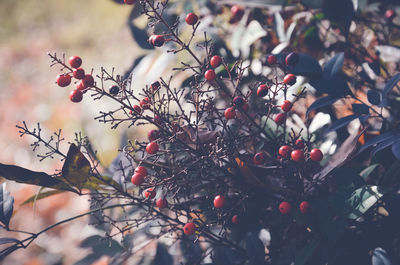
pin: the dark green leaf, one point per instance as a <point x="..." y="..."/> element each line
<point x="378" y="139"/>
<point x="306" y="253"/>
<point x="396" y="149"/>
<point x="367" y="171"/>
<point x="379" y="257"/>
<point x="384" y="144"/>
<point x="7" y="240"/>
<point x="224" y="256"/>
<point x="342" y="122"/>
<point x="307" y="66"/>
<point x="334" y="65"/>
<point x="391" y="84"/>
<point x="362" y="199"/>
<point x="360" y="109"/>
<point x="321" y="102"/>
<point x="6" y="205"/>
<point x="341" y="12"/>
<point x="23" y="175"/>
<point x="391" y="175"/>
<point x="255" y="249"/>
<point x="162" y="256"/>
<point x="76" y="167"/>
<point x="374" y="97"/>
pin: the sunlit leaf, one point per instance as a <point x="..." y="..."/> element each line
<point x="364" y="198"/>
<point x="76" y="167"/>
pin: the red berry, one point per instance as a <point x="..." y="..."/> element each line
<point x="81" y="87"/>
<point x="161" y="203"/>
<point x="299" y="143"/>
<point x="235" y="219"/>
<point x="189" y="229"/>
<point x="297" y="155"/>
<point x="145" y="103"/>
<point x="114" y="90"/>
<point x="286" y="106"/>
<point x="210" y="75"/>
<point x="230" y="113"/>
<point x="150" y="193"/>
<point x="76" y="96"/>
<point x="153" y="135"/>
<point x="305" y="207"/>
<point x="141" y="170"/>
<point x="390" y="14"/>
<point x="262" y="90"/>
<point x="137" y="179"/>
<point x="290" y="79"/>
<point x="151" y="40"/>
<point x="215" y="61"/>
<point x="271" y="59"/>
<point x="152" y="148"/>
<point x="157" y="119"/>
<point x="237" y="13"/>
<point x="285" y="151"/>
<point x="245" y="107"/>
<point x="129" y="2"/>
<point x="316" y="155"/>
<point x="238" y="101"/>
<point x="219" y="201"/>
<point x="136" y="108"/>
<point x="155" y="86"/>
<point x="157" y="40"/>
<point x="285" y="207"/>
<point x="280" y="118"/>
<point x="79" y="73"/>
<point x="259" y="158"/>
<point x="191" y="19"/>
<point x="63" y="80"/>
<point x="88" y="81"/>
<point x="75" y="61"/>
<point x="292" y="59"/>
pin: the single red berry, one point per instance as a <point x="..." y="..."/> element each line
<point x="290" y="79"/>
<point x="286" y="106"/>
<point x="157" y="40"/>
<point x="152" y="148"/>
<point x="238" y="101"/>
<point x="237" y="13"/>
<point x="137" y="179"/>
<point x="390" y="14"/>
<point x="145" y="103"/>
<point x="245" y="106"/>
<point x="155" y="86"/>
<point x="285" y="207"/>
<point x="316" y="155"/>
<point x="189" y="229"/>
<point x="151" y="40"/>
<point x="262" y="90"/>
<point x="129" y="2"/>
<point x="153" y="135"/>
<point x="161" y="203"/>
<point x="297" y="155"/>
<point x="63" y="80"/>
<point x="230" y="113"/>
<point x="292" y="59"/>
<point x="210" y="75"/>
<point x="271" y="59"/>
<point x="191" y="19"/>
<point x="300" y="143"/>
<point x="235" y="219"/>
<point x="141" y="170"/>
<point x="285" y="151"/>
<point x="81" y="87"/>
<point x="280" y="118"/>
<point x="150" y="193"/>
<point x="79" y="73"/>
<point x="157" y="119"/>
<point x="219" y="201"/>
<point x="215" y="61"/>
<point x="75" y="61"/>
<point x="76" y="96"/>
<point x="88" y="81"/>
<point x="114" y="90"/>
<point x="259" y="158"/>
<point x="137" y="109"/>
<point x="305" y="207"/>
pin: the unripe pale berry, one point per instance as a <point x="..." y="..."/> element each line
<point x="297" y="155"/>
<point x="286" y="106"/>
<point x="150" y="193"/>
<point x="262" y="90"/>
<point x="189" y="229"/>
<point x="76" y="96"/>
<point x="215" y="61"/>
<point x="210" y="75"/>
<point x="75" y="61"/>
<point x="137" y="179"/>
<point x="285" y="151"/>
<point x="219" y="201"/>
<point x="271" y="59"/>
<point x="280" y="118"/>
<point x="230" y="113"/>
<point x="259" y="158"/>
<point x="79" y="73"/>
<point x="290" y="79"/>
<point x="316" y="155"/>
<point x="305" y="207"/>
<point x="63" y="80"/>
<point x="235" y="219"/>
<point x="292" y="59"/>
<point x="161" y="203"/>
<point x="285" y="207"/>
<point x="152" y="148"/>
<point x="141" y="170"/>
<point x="191" y="19"/>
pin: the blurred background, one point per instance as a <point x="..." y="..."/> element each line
<point x="96" y="30"/>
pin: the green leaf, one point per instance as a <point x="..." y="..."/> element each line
<point x="367" y="171"/>
<point x="23" y="175"/>
<point x="364" y="198"/>
<point x="6" y="205"/>
<point x="41" y="195"/>
<point x="76" y="167"/>
<point x="306" y="253"/>
<point x="391" y="175"/>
